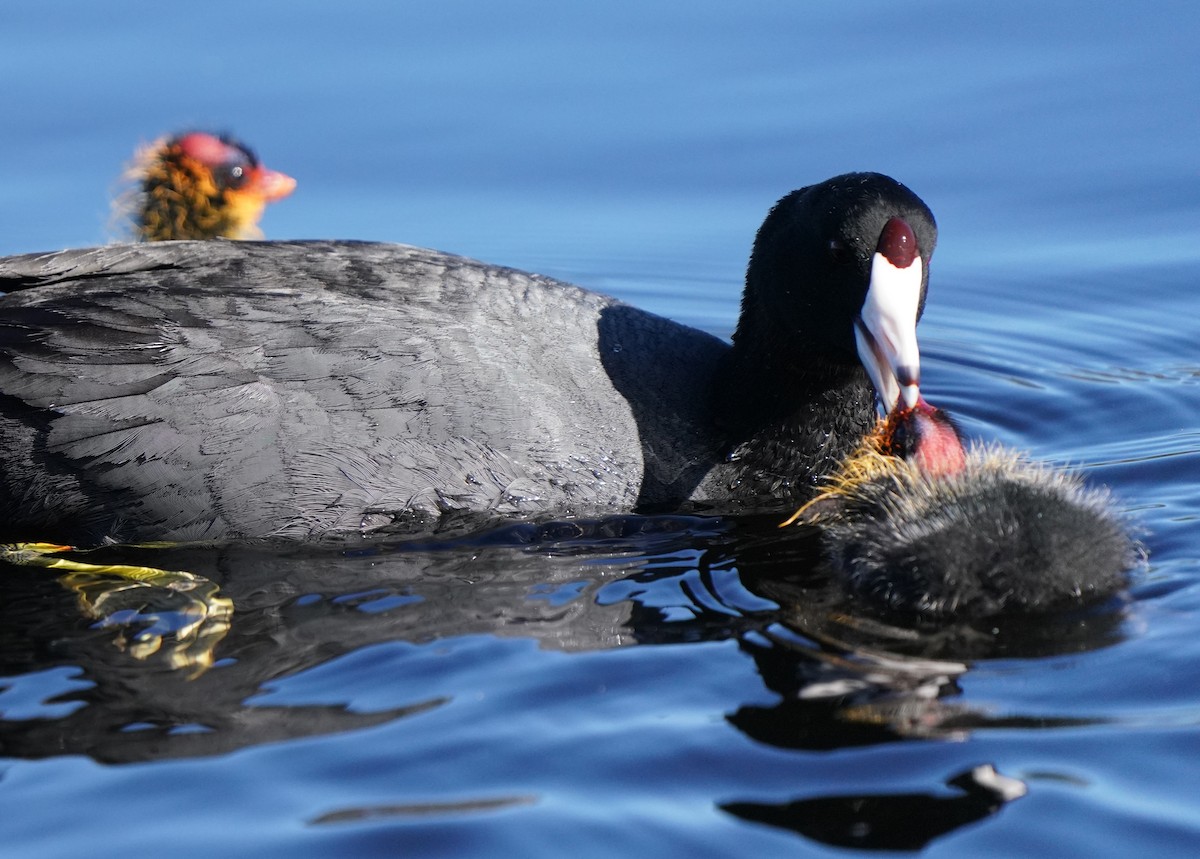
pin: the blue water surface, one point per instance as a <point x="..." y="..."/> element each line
<point x="641" y="688"/>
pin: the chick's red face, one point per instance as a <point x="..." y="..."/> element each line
<point x="926" y="436"/>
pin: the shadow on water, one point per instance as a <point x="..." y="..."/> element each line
<point x="101" y="676"/>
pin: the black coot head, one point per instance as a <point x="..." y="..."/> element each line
<point x="811" y="266"/>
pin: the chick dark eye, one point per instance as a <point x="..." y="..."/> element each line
<point x="231" y="176"/>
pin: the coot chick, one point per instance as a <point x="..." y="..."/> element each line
<point x="200" y="186"/>
<point x="923" y="530"/>
<point x="242" y="389"/>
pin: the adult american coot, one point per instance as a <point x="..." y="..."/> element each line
<point x="921" y="529"/>
<point x="211" y="390"/>
<point x="199" y="186"/>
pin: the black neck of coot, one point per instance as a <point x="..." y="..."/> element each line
<point x="791" y="421"/>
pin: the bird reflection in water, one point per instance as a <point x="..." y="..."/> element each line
<point x="172" y="615"/>
<point x="899" y="821"/>
<point x="841" y="679"/>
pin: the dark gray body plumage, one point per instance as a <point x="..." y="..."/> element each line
<point x="194" y="390"/>
<point x="198" y="390"/>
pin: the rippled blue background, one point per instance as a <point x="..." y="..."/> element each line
<point x="634" y="148"/>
